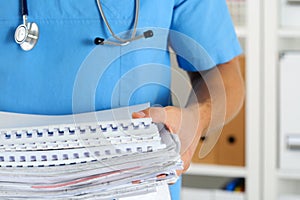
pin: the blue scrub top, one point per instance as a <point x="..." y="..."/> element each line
<point x="67" y="73"/>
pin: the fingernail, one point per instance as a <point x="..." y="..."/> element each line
<point x="141" y="114"/>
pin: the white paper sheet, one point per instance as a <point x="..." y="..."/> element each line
<point x="103" y="154"/>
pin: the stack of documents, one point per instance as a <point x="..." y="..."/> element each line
<point x="99" y="155"/>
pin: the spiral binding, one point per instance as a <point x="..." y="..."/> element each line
<point x="67" y="144"/>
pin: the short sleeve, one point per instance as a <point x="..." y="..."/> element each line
<point x="202" y="34"/>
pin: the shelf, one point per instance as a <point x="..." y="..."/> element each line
<point x="216" y="170"/>
<point x="289" y="174"/>
<point x="289" y="33"/>
<point x="196" y="193"/>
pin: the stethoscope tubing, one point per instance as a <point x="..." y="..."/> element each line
<point x="27" y="34"/>
<point x="24" y="10"/>
<point x="121" y="41"/>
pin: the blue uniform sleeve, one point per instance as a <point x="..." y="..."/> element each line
<point x="202" y="34"/>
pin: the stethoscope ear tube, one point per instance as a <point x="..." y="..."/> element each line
<point x="26" y="34"/>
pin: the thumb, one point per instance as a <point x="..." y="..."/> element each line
<point x="158" y="115"/>
<point x="140" y="114"/>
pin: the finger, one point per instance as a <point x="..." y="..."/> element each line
<point x="179" y="172"/>
<point x="158" y="115"/>
<point x="139" y="114"/>
<point x="185" y="168"/>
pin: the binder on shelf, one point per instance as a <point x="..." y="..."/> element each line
<point x="230" y="148"/>
<point x="289" y="111"/>
<point x="98" y="154"/>
<point x="290" y="14"/>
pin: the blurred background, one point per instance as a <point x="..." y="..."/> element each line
<point x="257" y="156"/>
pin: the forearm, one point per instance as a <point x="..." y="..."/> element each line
<point x="217" y="95"/>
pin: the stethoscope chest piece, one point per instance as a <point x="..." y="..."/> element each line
<point x="27" y="35"/>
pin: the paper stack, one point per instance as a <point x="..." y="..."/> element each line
<point x="80" y="157"/>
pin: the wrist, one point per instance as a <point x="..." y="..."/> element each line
<point x="202" y="112"/>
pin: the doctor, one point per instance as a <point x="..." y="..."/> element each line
<point x="130" y="39"/>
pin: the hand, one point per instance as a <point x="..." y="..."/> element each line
<point x="182" y="121"/>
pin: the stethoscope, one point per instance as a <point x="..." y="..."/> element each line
<point x="120" y="41"/>
<point x="27" y="34"/>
